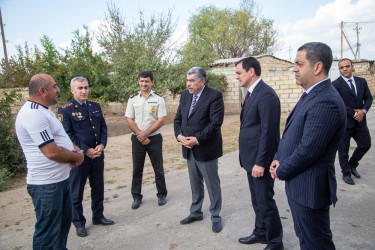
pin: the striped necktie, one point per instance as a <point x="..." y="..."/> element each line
<point x="352" y="86"/>
<point x="193" y="103"/>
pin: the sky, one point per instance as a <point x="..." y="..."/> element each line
<point x="297" y="21"/>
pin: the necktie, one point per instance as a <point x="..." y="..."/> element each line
<point x="352" y="86"/>
<point x="193" y="103"/>
<point x="300" y="99"/>
<point x="84" y="106"/>
<point x="246" y="100"/>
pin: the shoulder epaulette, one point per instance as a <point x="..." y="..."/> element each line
<point x="156" y="93"/>
<point x="132" y="95"/>
<point x="92" y="101"/>
<point x="67" y="105"/>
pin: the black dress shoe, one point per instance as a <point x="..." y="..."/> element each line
<point x="189" y="220"/>
<point x="136" y="203"/>
<point x="355" y="172"/>
<point x="103" y="221"/>
<point x="81" y="231"/>
<point x="216" y="227"/>
<point x="279" y="247"/>
<point x="252" y="239"/>
<point x="348" y="179"/>
<point x="162" y="200"/>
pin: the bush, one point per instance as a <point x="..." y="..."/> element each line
<point x="12" y="160"/>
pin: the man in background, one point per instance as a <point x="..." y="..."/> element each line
<point x="84" y="123"/>
<point x="197" y="127"/>
<point x="358" y="99"/>
<point x="145" y="114"/>
<point x="49" y="154"/>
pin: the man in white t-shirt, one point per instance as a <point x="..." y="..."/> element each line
<point x="49" y="155"/>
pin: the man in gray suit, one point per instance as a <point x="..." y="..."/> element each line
<point x="306" y="154"/>
<point x="197" y="127"/>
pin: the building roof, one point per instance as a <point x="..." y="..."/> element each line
<point x="234" y="60"/>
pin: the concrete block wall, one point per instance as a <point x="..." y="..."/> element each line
<point x="275" y="72"/>
<point x="366" y="70"/>
<point x="233" y="94"/>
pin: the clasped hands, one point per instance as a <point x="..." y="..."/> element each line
<point x="95" y="152"/>
<point x="142" y="136"/>
<point x="188" y="142"/>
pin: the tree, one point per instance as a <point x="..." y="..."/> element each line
<point x="21" y="67"/>
<point x="137" y="47"/>
<point x="80" y="60"/>
<point x="229" y="33"/>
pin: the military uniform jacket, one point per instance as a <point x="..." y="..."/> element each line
<point x="146" y="111"/>
<point x="85" y="127"/>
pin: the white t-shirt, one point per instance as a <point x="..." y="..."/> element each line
<point x="37" y="126"/>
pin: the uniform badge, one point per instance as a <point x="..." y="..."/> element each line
<point x="60" y="117"/>
<point x="153" y="109"/>
<point x="73" y="114"/>
<point x="79" y="115"/>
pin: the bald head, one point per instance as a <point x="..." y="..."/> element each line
<point x="43" y="90"/>
<point x="39" y="81"/>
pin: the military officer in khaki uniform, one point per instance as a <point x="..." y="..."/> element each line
<point x="145" y="114"/>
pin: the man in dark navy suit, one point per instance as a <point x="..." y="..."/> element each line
<point x="83" y="121"/>
<point x="197" y="127"/>
<point x="258" y="141"/>
<point x="358" y="99"/>
<point x="306" y="154"/>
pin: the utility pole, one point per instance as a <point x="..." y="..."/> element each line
<point x="343" y="35"/>
<point x="357" y="29"/>
<point x="4" y="41"/>
<point x="342" y="31"/>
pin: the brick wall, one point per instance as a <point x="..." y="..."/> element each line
<point x="275" y="72"/>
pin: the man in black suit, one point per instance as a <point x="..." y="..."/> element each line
<point x="306" y="154"/>
<point x="358" y="99"/>
<point x="197" y="127"/>
<point x="258" y="141"/>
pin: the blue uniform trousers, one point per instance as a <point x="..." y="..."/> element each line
<point x="92" y="169"/>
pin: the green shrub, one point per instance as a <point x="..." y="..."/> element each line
<point x="12" y="159"/>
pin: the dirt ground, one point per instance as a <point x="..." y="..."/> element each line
<point x="16" y="205"/>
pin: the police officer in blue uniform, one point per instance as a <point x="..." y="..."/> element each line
<point x="84" y="123"/>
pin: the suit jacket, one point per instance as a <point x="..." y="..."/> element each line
<point x="308" y="147"/>
<point x="85" y="129"/>
<point x="204" y="123"/>
<point x="260" y="128"/>
<point x="362" y="100"/>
